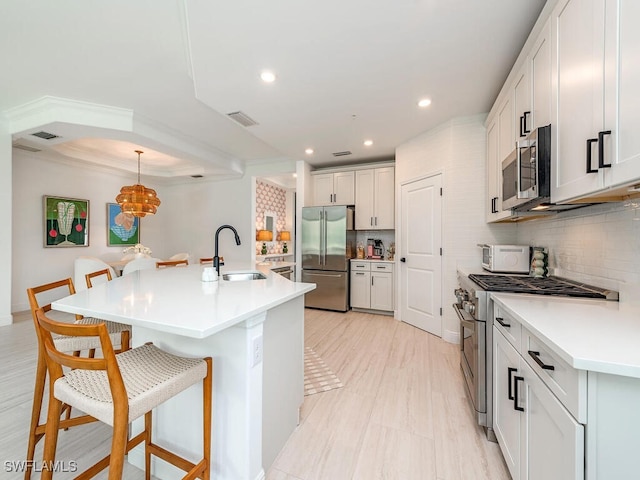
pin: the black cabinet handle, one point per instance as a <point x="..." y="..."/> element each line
<point x="589" y="148"/>
<point x="403" y="259"/>
<point x="501" y="322"/>
<point x="522" y="126"/>
<point x="494" y="207"/>
<point x="515" y="394"/>
<point x="541" y="364"/>
<point x="601" y="135"/>
<point x="526" y="130"/>
<point x="510" y="370"/>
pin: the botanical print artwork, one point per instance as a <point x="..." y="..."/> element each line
<point x="66" y="222"/>
<point x="122" y="228"/>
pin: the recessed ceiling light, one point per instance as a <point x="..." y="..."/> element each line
<point x="309" y="151"/>
<point x="268" y="77"/>
<point x="368" y="143"/>
<point x="425" y="102"/>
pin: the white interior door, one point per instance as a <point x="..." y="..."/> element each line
<point x="420" y="259"/>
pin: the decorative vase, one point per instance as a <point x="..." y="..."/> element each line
<point x="264" y="249"/>
<point x="285" y="249"/>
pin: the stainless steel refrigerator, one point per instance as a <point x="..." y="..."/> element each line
<point x="328" y="243"/>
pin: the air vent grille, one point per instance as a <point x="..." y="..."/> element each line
<point x="45" y="135"/>
<point x="341" y="154"/>
<point x="242" y="118"/>
<point x="196" y="176"/>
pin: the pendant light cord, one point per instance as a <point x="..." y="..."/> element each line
<point x="138" y="152"/>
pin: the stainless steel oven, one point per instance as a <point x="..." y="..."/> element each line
<point x="475" y="360"/>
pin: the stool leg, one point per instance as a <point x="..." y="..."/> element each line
<point x="38" y="394"/>
<point x="118" y="443"/>
<point x="147" y="440"/>
<point x="51" y="437"/>
<point x="207" y="392"/>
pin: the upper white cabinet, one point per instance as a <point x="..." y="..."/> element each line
<point x="596" y="107"/>
<point x="524" y="104"/>
<point x="334" y="189"/>
<point x="375" y="199"/>
<point x="540" y="74"/>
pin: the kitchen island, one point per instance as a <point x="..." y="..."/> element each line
<point x="253" y="329"/>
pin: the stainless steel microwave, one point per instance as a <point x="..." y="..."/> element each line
<point x="526" y="171"/>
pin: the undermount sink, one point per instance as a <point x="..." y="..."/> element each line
<point x="241" y="276"/>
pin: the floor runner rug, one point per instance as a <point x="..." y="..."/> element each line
<point x="317" y="376"/>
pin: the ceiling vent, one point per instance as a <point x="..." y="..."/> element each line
<point x="242" y="118"/>
<point x="341" y="154"/>
<point x="196" y="176"/>
<point x="45" y="135"/>
<point x="26" y="147"/>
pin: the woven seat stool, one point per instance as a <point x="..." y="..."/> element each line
<point x="120" y="336"/>
<point x="118" y="389"/>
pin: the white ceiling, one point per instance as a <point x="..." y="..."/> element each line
<point x="346" y="71"/>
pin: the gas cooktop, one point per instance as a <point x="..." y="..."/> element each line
<point x="542" y="286"/>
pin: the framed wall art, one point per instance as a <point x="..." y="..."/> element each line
<point x="122" y="228"/>
<point x="66" y="222"/>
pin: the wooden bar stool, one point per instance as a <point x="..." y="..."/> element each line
<point x="90" y="276"/>
<point x="206" y="260"/>
<point x="120" y="336"/>
<point x="171" y="263"/>
<point x="119" y="389"/>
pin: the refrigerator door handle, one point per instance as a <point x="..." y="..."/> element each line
<point x="322" y="239"/>
<point x="322" y="275"/>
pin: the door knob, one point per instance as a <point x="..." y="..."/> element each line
<point x="403" y="259"/>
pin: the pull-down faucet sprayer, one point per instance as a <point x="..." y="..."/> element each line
<point x="216" y="258"/>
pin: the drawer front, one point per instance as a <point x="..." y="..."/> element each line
<point x="360" y="266"/>
<point x="568" y="384"/>
<point x="381" y="267"/>
<point x="508" y="326"/>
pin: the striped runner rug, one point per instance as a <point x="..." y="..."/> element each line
<point x="318" y="377"/>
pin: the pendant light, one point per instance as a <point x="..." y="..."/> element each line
<point x="137" y="199"/>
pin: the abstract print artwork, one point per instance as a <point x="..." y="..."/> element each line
<point x="66" y="222"/>
<point x="122" y="228"/>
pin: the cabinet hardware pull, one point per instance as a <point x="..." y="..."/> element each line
<point x="494" y="203"/>
<point x="372" y="281"/>
<point x="589" y="142"/>
<point x="371" y="220"/>
<point x="515" y="393"/>
<point x="522" y="125"/>
<point x="601" y="135"/>
<point x="501" y="322"/>
<point x="376" y="221"/>
<point x="541" y="364"/>
<point x="510" y="370"/>
<point x="403" y="259"/>
<point x="526" y="130"/>
<point x="381" y="267"/>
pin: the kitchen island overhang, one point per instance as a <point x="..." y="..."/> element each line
<point x="253" y="329"/>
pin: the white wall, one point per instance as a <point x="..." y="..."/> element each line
<point x="457" y="150"/>
<point x="186" y="220"/>
<point x="598" y="245"/>
<point x="5" y="238"/>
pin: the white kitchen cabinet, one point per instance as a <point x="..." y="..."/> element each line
<point x="494" y="210"/>
<point x="538" y="435"/>
<point x="596" y="108"/>
<point x="540" y="74"/>
<point x="375" y="199"/>
<point x="372" y="285"/>
<point x="522" y="103"/>
<point x="506" y="420"/>
<point x="334" y="188"/>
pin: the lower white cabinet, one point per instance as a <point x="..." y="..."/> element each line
<point x="538" y="436"/>
<point x="372" y="285"/>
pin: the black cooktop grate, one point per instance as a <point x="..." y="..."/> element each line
<point x="542" y="286"/>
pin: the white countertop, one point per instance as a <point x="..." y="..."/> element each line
<point x="176" y="300"/>
<point x="372" y="260"/>
<point x="597" y="335"/>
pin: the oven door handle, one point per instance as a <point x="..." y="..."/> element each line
<point x="465" y="317"/>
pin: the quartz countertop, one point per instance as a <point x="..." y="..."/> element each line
<point x="176" y="300"/>
<point x="372" y="260"/>
<point x="596" y="335"/>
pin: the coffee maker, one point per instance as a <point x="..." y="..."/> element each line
<point x="378" y="249"/>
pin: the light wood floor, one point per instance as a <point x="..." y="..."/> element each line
<point x="402" y="413"/>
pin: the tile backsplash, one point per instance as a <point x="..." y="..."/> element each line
<point x="599" y="245"/>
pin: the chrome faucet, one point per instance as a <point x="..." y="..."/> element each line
<point x="216" y="258"/>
